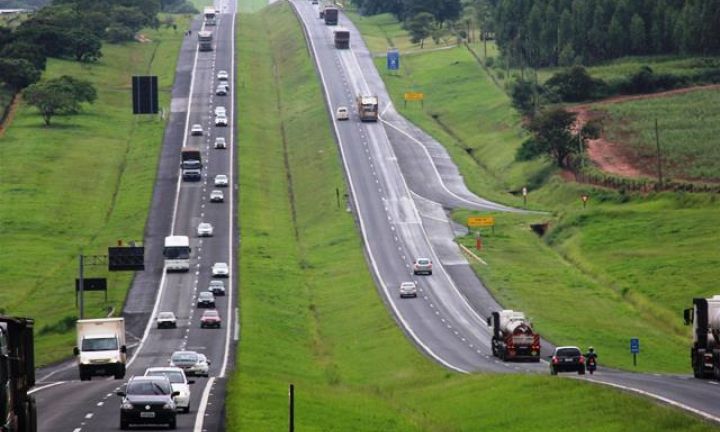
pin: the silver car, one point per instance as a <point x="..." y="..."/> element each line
<point x="221" y="90"/>
<point x="220" y="269"/>
<point x="196" y="129"/>
<point x="166" y="320"/>
<point x="422" y="266"/>
<point x="220" y="111"/>
<point x="221" y="180"/>
<point x="408" y="289"/>
<point x="217" y="287"/>
<point x="222" y="75"/>
<point x="217" y="196"/>
<point x="191" y="362"/>
<point x="220" y="143"/>
<point x="205" y="229"/>
<point x="221" y="121"/>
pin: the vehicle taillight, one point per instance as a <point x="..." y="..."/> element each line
<point x="582" y="359"/>
<point x="555" y="360"/>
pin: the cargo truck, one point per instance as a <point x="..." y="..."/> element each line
<point x="704" y="317"/>
<point x="331" y="15"/>
<point x="367" y="108"/>
<point x="513" y="336"/>
<point x="341" y="38"/>
<point x="18" y="411"/>
<point x="210" y="16"/>
<point x="205" y="40"/>
<point x="191" y="163"/>
<point x="101" y="347"/>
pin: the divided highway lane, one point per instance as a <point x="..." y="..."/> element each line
<point x="399" y="224"/>
<point x="440" y="321"/>
<point x="92" y="406"/>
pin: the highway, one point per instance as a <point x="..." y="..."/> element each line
<point x="67" y="404"/>
<point x="401" y="182"/>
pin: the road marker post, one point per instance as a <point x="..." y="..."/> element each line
<point x="634" y="349"/>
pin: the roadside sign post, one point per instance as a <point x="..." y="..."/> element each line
<point x="635" y="349"/>
<point x="524" y="194"/>
<point x="291" y="407"/>
<point x="414" y="96"/>
<point x="478" y="241"/>
<point x="393" y="59"/>
<point x="584" y="198"/>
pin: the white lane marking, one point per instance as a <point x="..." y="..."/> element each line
<point x="200" y="417"/>
<point x="363" y="228"/>
<point x="101" y="403"/>
<point x="77" y="429"/>
<point x="89" y="415"/>
<point x="236" y="336"/>
<point x="46" y="386"/>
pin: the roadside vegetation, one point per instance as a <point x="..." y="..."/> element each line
<point x="79" y="185"/>
<point x="623" y="267"/>
<point x="310" y="314"/>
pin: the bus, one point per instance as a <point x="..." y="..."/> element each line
<point x="210" y="18"/>
<point x="205" y="40"/>
<point x="177" y="253"/>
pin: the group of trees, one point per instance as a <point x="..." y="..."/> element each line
<point x="542" y="33"/>
<point x="59" y="96"/>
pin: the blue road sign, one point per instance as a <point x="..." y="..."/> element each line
<point x="634" y="345"/>
<point x="393" y="59"/>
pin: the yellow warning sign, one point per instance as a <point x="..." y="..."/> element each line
<point x="480" y="221"/>
<point x="414" y="96"/>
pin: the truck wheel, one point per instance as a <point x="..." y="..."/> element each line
<point x="120" y="372"/>
<point x="27" y="419"/>
<point x="84" y="375"/>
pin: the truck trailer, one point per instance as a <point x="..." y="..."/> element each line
<point x="367" y="108"/>
<point x="513" y="336"/>
<point x="330" y="15"/>
<point x="18" y="411"/>
<point x="101" y="347"/>
<point x="341" y="37"/>
<point x="704" y="317"/>
<point x="205" y="40"/>
<point x="210" y="16"/>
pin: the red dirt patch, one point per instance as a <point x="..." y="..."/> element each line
<point x="614" y="157"/>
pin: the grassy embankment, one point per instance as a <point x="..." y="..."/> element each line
<point x="310" y="313"/>
<point x="624" y="267"/>
<point x="79" y="185"/>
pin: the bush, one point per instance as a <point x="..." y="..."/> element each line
<point x="117" y="33"/>
<point x="522" y="94"/>
<point x="528" y="150"/>
<point x="574" y="85"/>
<point x="489" y="62"/>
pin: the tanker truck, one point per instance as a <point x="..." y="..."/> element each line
<point x="704" y="316"/>
<point x="513" y="336"/>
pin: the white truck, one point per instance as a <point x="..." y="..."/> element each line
<point x="704" y="317"/>
<point x="101" y="347"/>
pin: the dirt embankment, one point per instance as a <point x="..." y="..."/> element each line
<point x="614" y="157"/>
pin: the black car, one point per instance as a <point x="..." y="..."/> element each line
<point x="567" y="359"/>
<point x="206" y="299"/>
<point x="148" y="401"/>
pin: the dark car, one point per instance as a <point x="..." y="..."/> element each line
<point x="192" y="174"/>
<point x="206" y="299"/>
<point x="148" y="401"/>
<point x="567" y="359"/>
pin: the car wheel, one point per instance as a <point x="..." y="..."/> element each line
<point x="553" y="371"/>
<point x="124" y="425"/>
<point x="172" y="424"/>
<point x="581" y="371"/>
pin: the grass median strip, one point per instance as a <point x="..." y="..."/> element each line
<point x="79" y="185"/>
<point x="311" y="315"/>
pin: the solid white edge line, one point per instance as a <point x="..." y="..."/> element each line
<point x="202" y="407"/>
<point x="46" y="386"/>
<point x="407" y="328"/>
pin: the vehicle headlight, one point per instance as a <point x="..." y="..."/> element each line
<point x="169" y="406"/>
<point x="126" y="406"/>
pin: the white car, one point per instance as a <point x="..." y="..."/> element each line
<point x="220" y="269"/>
<point x="178" y="382"/>
<point x="217" y="287"/>
<point x="220" y="143"/>
<point x="222" y="75"/>
<point x="221" y="90"/>
<point x="166" y="320"/>
<point x="221" y="121"/>
<point x="191" y="362"/>
<point x="217" y="196"/>
<point x="196" y="129"/>
<point x="220" y="111"/>
<point x="342" y="113"/>
<point x="221" y="180"/>
<point x="408" y="289"/>
<point x="205" y="229"/>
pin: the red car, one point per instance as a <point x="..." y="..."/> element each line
<point x="210" y="318"/>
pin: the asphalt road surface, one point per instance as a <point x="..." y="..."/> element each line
<point x="402" y="182"/>
<point x="67" y="404"/>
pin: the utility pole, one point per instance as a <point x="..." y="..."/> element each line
<point x="80" y="276"/>
<point x="291" y="395"/>
<point x="659" y="160"/>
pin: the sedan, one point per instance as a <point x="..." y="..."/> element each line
<point x="166" y="320"/>
<point x="221" y="90"/>
<point x="217" y="287"/>
<point x="205" y="229"/>
<point x="210" y="318"/>
<point x="191" y="362"/>
<point x="567" y="359"/>
<point x="220" y="143"/>
<point x="178" y="382"/>
<point x="220" y="111"/>
<point x="222" y="75"/>
<point x="422" y="266"/>
<point x="221" y="121"/>
<point x="196" y="129"/>
<point x="148" y="401"/>
<point x="408" y="289"/>
<point x="217" y="196"/>
<point x="221" y="180"/>
<point x="206" y="299"/>
<point x="342" y="113"/>
<point x="220" y="270"/>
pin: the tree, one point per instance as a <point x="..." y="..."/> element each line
<point x="117" y="33"/>
<point x="522" y="94"/>
<point x="637" y="35"/>
<point x="420" y="27"/>
<point x="573" y="85"/>
<point x="59" y="95"/>
<point x="18" y="73"/>
<point x="85" y="47"/>
<point x="552" y="133"/>
<point x="27" y="51"/>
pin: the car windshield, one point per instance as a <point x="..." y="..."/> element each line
<point x="99" y="344"/>
<point x="206" y="295"/>
<point x="147" y="388"/>
<point x="166" y="315"/>
<point x="185" y="358"/>
<point x="423" y="262"/>
<point x="174" y="376"/>
<point x="211" y="314"/>
<point x="568" y="352"/>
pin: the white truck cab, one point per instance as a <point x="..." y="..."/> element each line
<point x="101" y="347"/>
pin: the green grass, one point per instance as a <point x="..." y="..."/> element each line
<point x="81" y="184"/>
<point x="627" y="264"/>
<point x="689" y="126"/>
<point x="310" y="314"/>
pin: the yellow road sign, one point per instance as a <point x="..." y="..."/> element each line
<point x="480" y="221"/>
<point x="414" y="96"/>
